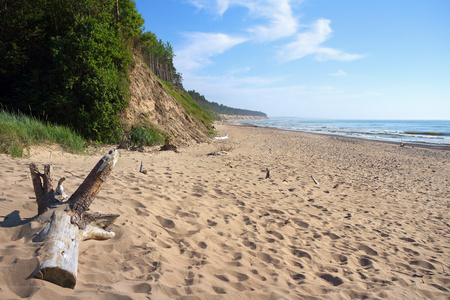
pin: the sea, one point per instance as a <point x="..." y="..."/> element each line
<point x="428" y="132"/>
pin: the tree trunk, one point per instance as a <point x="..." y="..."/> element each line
<point x="117" y="10"/>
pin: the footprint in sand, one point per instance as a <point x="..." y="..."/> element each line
<point x="242" y="203"/>
<point x="341" y="259"/>
<point x="189" y="281"/>
<point x="297" y="264"/>
<point x="190" y="278"/>
<point x="300" y="223"/>
<point x="202" y="245"/>
<point x="240" y="276"/>
<point x="163" y="245"/>
<point x="211" y="223"/>
<point x="365" y="262"/>
<point x="300" y="253"/>
<point x="276" y="234"/>
<point x="264" y="257"/>
<point x="219" y="290"/>
<point x="237" y="256"/>
<point x="222" y="277"/>
<point x="166" y="223"/>
<point x="410" y="240"/>
<point x="142" y="288"/>
<point x="247" y="220"/>
<point x="423" y="264"/>
<point x="332" y="235"/>
<point x="334" y="280"/>
<point x="411" y="251"/>
<point x="249" y="244"/>
<point x="140" y="212"/>
<point x="187" y="214"/>
<point x="297" y="276"/>
<point x="368" y="250"/>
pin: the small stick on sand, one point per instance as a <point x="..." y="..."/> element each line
<point x="315" y="181"/>
<point x="270" y="223"/>
<point x="287" y="221"/>
<point x="142" y="170"/>
<point x="268" y="173"/>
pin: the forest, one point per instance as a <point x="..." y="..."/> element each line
<point x="67" y="62"/>
<point x="222" y="109"/>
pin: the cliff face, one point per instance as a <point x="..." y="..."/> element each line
<point x="150" y="102"/>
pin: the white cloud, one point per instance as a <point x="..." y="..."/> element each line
<point x="201" y="46"/>
<point x="216" y="6"/>
<point x="239" y="70"/>
<point x="281" y="21"/>
<point x="271" y="20"/>
<point x="338" y="73"/>
<point x="309" y="42"/>
<point x="277" y="16"/>
<point x="201" y="4"/>
<point x="324" y="54"/>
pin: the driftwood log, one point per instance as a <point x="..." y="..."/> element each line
<point x="70" y="222"/>
<point x="168" y="146"/>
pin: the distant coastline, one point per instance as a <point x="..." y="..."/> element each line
<point x="241" y="117"/>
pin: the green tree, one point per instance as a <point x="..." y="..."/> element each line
<point x="68" y="61"/>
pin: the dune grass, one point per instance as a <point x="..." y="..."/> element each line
<point x="18" y="132"/>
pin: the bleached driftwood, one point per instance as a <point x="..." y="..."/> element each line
<point x="61" y="252"/>
<point x="315" y="181"/>
<point x="221" y="137"/>
<point x="71" y="223"/>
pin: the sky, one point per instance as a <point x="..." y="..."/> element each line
<point x="334" y="59"/>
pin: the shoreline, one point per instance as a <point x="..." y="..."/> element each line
<point x="411" y="145"/>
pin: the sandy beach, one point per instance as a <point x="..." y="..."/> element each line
<point x="338" y="218"/>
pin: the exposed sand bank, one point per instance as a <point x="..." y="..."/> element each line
<point x="201" y="226"/>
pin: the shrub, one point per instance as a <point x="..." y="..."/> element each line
<point x="146" y="136"/>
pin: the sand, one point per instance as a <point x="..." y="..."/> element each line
<point x="200" y="226"/>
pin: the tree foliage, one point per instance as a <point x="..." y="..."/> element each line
<point x="159" y="57"/>
<point x="67" y="61"/>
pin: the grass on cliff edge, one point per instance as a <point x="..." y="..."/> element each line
<point x="190" y="106"/>
<point x="18" y="132"/>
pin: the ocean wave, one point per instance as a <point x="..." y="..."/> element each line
<point x="422" y="132"/>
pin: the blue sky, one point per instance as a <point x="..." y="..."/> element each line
<point x="339" y="59"/>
